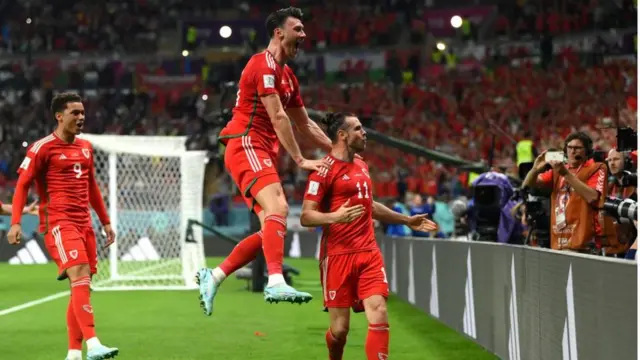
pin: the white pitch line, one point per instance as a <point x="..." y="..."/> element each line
<point x="34" y="303"/>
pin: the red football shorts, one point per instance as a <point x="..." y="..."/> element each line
<point x="70" y="245"/>
<point x="349" y="278"/>
<point x="252" y="167"/>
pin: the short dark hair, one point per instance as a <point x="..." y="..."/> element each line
<point x="277" y="18"/>
<point x="60" y="101"/>
<point x="333" y="122"/>
<point x="584" y="139"/>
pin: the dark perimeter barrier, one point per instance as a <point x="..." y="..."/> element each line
<point x="520" y="302"/>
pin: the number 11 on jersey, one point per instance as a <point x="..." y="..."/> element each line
<point x="366" y="190"/>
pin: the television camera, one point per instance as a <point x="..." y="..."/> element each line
<point x="625" y="210"/>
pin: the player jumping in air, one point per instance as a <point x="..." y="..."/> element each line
<point x="63" y="169"/>
<point x="268" y="99"/>
<point x="351" y="268"/>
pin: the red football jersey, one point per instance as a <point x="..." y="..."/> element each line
<point x="330" y="189"/>
<point x="63" y="174"/>
<point x="261" y="76"/>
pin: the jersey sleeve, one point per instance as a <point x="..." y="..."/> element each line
<point x="265" y="75"/>
<point x="296" y="97"/>
<point x="30" y="168"/>
<point x="33" y="163"/>
<point x="316" y="187"/>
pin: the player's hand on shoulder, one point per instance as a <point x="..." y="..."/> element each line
<point x="15" y="234"/>
<point x="315" y="165"/>
<point x="111" y="235"/>
<point x="422" y="223"/>
<point x="347" y="213"/>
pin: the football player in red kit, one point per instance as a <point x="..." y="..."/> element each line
<point x="352" y="268"/>
<point x="63" y="170"/>
<point x="268" y="100"/>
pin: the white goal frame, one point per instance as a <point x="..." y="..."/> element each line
<point x="117" y="274"/>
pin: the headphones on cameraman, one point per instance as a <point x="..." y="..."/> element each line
<point x="586" y="142"/>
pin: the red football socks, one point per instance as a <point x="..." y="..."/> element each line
<point x="73" y="328"/>
<point x="242" y="254"/>
<point x="377" y="344"/>
<point x="275" y="229"/>
<point x="335" y="346"/>
<point x="81" y="300"/>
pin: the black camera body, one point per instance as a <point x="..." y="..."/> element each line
<point x="538" y="210"/>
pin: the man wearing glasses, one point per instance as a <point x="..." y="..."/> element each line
<point x="577" y="193"/>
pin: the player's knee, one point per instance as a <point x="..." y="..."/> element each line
<point x="340" y="330"/>
<point x="376" y="309"/>
<point x="77" y="271"/>
<point x="278" y="207"/>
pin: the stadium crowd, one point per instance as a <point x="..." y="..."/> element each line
<point x="476" y="111"/>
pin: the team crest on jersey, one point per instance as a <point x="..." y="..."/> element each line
<point x="73" y="254"/>
<point x="87" y="308"/>
<point x="86" y="153"/>
<point x="332" y="295"/>
<point x="267" y="162"/>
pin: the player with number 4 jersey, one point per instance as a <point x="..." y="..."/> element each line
<point x="61" y="165"/>
<point x="351" y="266"/>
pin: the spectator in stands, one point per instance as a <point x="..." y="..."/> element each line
<point x="398" y="230"/>
<point x="578" y="190"/>
<point x="626" y="233"/>
<point x="525" y="153"/>
<point x="419" y="207"/>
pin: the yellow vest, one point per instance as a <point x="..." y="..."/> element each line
<point x="524" y="149"/>
<point x="451" y="60"/>
<point x="466" y="27"/>
<point x="192" y="34"/>
<point x="436" y="56"/>
<point x="472" y="177"/>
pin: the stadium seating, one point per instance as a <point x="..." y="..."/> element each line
<point x="457" y="112"/>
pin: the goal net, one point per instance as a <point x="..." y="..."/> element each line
<point x="152" y="187"/>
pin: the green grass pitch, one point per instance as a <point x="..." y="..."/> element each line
<point x="170" y="324"/>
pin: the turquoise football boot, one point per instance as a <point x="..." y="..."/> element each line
<point x="284" y="292"/>
<point x="102" y="352"/>
<point x="208" y="290"/>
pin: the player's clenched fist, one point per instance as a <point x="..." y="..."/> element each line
<point x="346" y="213"/>
<point x="111" y="235"/>
<point x="15" y="234"/>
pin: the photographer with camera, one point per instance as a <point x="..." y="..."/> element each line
<point x="578" y="191"/>
<point x="620" y="187"/>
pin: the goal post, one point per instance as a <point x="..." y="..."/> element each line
<point x="152" y="186"/>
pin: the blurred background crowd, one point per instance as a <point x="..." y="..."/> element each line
<point x="508" y="71"/>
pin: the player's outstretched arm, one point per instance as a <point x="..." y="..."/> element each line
<point x="311" y="217"/>
<point x="309" y="128"/>
<point x="416" y="222"/>
<point x="282" y="126"/>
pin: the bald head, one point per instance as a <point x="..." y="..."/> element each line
<point x="615" y="160"/>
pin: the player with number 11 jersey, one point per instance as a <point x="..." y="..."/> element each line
<point x="351" y="266"/>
